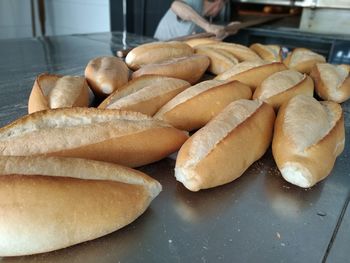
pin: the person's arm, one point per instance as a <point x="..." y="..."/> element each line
<point x="186" y="13"/>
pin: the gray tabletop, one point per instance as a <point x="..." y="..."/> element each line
<point x="257" y="218"/>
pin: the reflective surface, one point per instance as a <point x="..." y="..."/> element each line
<point x="257" y="218"/>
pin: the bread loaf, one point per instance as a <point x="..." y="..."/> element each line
<point x="251" y="73"/>
<point x="272" y="53"/>
<point x="52" y="91"/>
<point x="201" y="41"/>
<point x="146" y="94"/>
<point x="156" y="52"/>
<point x="332" y="82"/>
<point x="106" y="74"/>
<point x="303" y="60"/>
<point x="194" y="107"/>
<point x="282" y="86"/>
<point x="189" y="68"/>
<point x="128" y="138"/>
<point x="49" y="203"/>
<point x="223" y="149"/>
<point x="242" y="53"/>
<point x="308" y="137"/>
<point x="220" y="59"/>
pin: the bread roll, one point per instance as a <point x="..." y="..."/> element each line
<point x="49" y="203"/>
<point x="303" y="60"/>
<point x="106" y="74"/>
<point x="308" y="137"/>
<point x="223" y="149"/>
<point x="128" y="138"/>
<point x="220" y="59"/>
<point x="272" y="53"/>
<point x="156" y="52"/>
<point x="201" y="41"/>
<point x="252" y="73"/>
<point x="146" y="94"/>
<point x="242" y="53"/>
<point x="332" y="82"/>
<point x="189" y="68"/>
<point x="194" y="107"/>
<point x="52" y="91"/>
<point x="282" y="86"/>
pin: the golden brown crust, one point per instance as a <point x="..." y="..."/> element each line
<point x="228" y="158"/>
<point x="106" y="74"/>
<point x="254" y="76"/>
<point x="52" y="203"/>
<point x="306" y="160"/>
<point x="113" y="135"/>
<point x="272" y="53"/>
<point x="305" y="87"/>
<point x="146" y="94"/>
<point x="189" y="68"/>
<point x="47" y="93"/>
<point x="195" y="111"/>
<point x="242" y="53"/>
<point x="303" y="60"/>
<point x="201" y="41"/>
<point x="329" y="84"/>
<point x="220" y="59"/>
<point x="156" y="52"/>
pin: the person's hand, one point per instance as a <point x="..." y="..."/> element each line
<point x="219" y="31"/>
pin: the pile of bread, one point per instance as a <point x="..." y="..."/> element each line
<point x="65" y="167"/>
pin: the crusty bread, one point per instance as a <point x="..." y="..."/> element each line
<point x="48" y="203"/>
<point x="146" y="94"/>
<point x="106" y="74"/>
<point x="303" y="60"/>
<point x="220" y="59"/>
<point x="201" y="41"/>
<point x="128" y="138"/>
<point x="52" y="91"/>
<point x="272" y="53"/>
<point x="223" y="149"/>
<point x="308" y="137"/>
<point x="194" y="107"/>
<point x="189" y="68"/>
<point x="242" y="53"/>
<point x="332" y="82"/>
<point x="283" y="85"/>
<point x="156" y="52"/>
<point x="252" y="73"/>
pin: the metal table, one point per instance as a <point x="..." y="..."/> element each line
<point x="257" y="218"/>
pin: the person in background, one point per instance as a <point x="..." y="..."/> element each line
<point x="194" y="16"/>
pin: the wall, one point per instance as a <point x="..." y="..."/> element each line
<point x="15" y="19"/>
<point x="62" y="17"/>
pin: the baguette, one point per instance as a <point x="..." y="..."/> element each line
<point x="272" y="53"/>
<point x="49" y="203"/>
<point x="309" y="135"/>
<point x="146" y="94"/>
<point x="189" y="68"/>
<point x="252" y="73"/>
<point x="156" y="52"/>
<point x="282" y="86"/>
<point x="106" y="74"/>
<point x="220" y="59"/>
<point x="128" y="138"/>
<point x="223" y="149"/>
<point x="55" y="91"/>
<point x="303" y="60"/>
<point x="194" y="107"/>
<point x="332" y="82"/>
<point x="194" y="42"/>
<point x="242" y="53"/>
